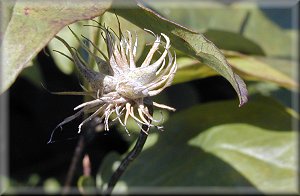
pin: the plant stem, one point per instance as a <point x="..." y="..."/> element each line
<point x="74" y="162"/>
<point x="126" y="161"/>
<point x="131" y="156"/>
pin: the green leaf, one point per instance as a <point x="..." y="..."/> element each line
<point x="262" y="88"/>
<point x="192" y="43"/>
<point x="191" y="69"/>
<point x="273" y="40"/>
<point x="33" y="24"/>
<point x="248" y="67"/>
<point x="6" y="8"/>
<point x="217" y="144"/>
<point x="233" y="41"/>
<point x="252" y="69"/>
<point x="266" y="158"/>
<point x="244" y="18"/>
<point x="285" y="66"/>
<point x="202" y="16"/>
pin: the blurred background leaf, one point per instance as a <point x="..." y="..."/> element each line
<point x="67" y="66"/>
<point x="86" y="185"/>
<point x="64" y="64"/>
<point x="243" y="18"/>
<point x="248" y="67"/>
<point x="253" y="69"/>
<point x="233" y="41"/>
<point x="52" y="186"/>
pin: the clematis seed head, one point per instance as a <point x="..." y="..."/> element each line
<point x="123" y="87"/>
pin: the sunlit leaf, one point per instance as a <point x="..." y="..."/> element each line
<point x="6" y="8"/>
<point x="33" y="24"/>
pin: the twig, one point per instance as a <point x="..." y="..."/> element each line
<point x="74" y="162"/>
<point x="85" y="137"/>
<point x="132" y="155"/>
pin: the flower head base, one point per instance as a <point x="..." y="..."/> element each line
<point x="123" y="87"/>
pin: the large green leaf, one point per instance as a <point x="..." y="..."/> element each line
<point x="218" y="144"/>
<point x="266" y="158"/>
<point x="6" y="8"/>
<point x="192" y="43"/>
<point x="33" y="24"/>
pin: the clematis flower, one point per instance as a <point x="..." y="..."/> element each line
<point x="123" y="87"/>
